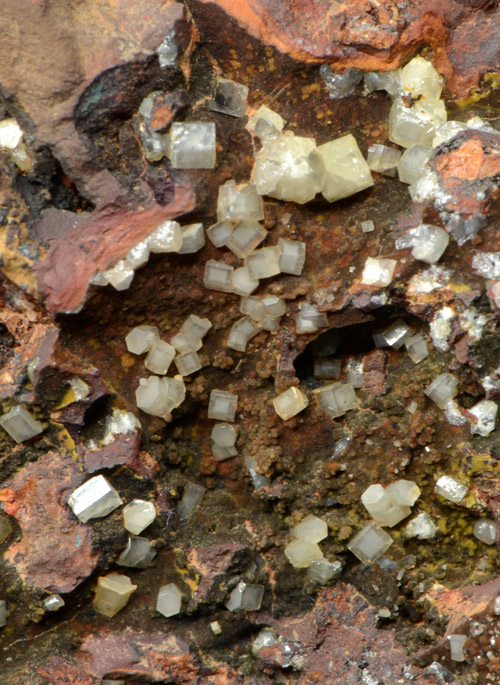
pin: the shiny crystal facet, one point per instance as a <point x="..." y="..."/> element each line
<point x="139" y="553"/>
<point x="138" y="515"/>
<point x="222" y="405"/>
<point x="239" y="203"/>
<point x="290" y="403"/>
<point x="370" y="543"/>
<point x="310" y="529"/>
<point x="346" y="171"/>
<point x="19" y="424"/>
<point x="169" y="600"/>
<point x="301" y="554"/>
<point x="450" y="489"/>
<point x="192" y="145"/>
<point x="218" y="276"/>
<point x="245" y="596"/>
<point x="230" y="98"/>
<point x="112" y="593"/>
<point x="94" y="499"/>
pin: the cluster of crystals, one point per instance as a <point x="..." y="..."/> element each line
<point x="11" y="141"/>
<point x="388" y="506"/>
<point x="398" y="334"/>
<point x="303" y="551"/>
<point x="224" y="437"/>
<point x="309" y="319"/>
<point x="168" y="236"/>
<point x="421" y="527"/>
<point x="427" y="242"/>
<point x="20" y="424"/>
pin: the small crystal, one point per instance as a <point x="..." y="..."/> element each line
<point x="415" y="125"/>
<point x="378" y="272"/>
<point x="403" y="492"/>
<point x="246" y="236"/>
<point x="346" y="171"/>
<point x="169" y="600"/>
<point x="245" y="596"/>
<point x="187" y="363"/>
<point x="159" y="396"/>
<point x="340" y="85"/>
<point x="421" y="527"/>
<point x="336" y="398"/>
<point x="487" y="264"/>
<point x="456" y="646"/>
<point x="239" y="203"/>
<point x="450" y="489"/>
<point x="53" y="603"/>
<point x="138" y="554"/>
<point x="215" y="627"/>
<point x="485" y="413"/>
<point x="290" y="403"/>
<point x="19" y="424"/>
<point x="263" y="263"/>
<point x="230" y="98"/>
<point x="159" y="357"/>
<point x="220" y="233"/>
<point x="119" y="276"/>
<point x="443" y="388"/>
<point x="94" y="499"/>
<point x="429" y="242"/>
<point x="370" y="543"/>
<point x="323" y="570"/>
<point x="390" y="81"/>
<point x="291" y="256"/>
<point x="416" y="346"/>
<point x="397" y="334"/>
<point x="138" y="255"/>
<point x="195" y="328"/>
<point x="138" y="515"/>
<point x="218" y="276"/>
<point x="453" y="413"/>
<point x="153" y="143"/>
<point x="224" y="434"/>
<point x="166" y="237"/>
<point x="242" y="331"/>
<point x="223" y="453"/>
<point x="420" y="79"/>
<point x="301" y="554"/>
<point x="141" y="339"/>
<point x="193" y="494"/>
<point x="367" y="226"/>
<point x="413" y="163"/>
<point x="193" y="145"/>
<point x="112" y="593"/>
<point x="446" y="131"/>
<point x="167" y="51"/>
<point x="5" y="529"/>
<point x="266" y="638"/>
<point x="310" y="319"/>
<point x="266" y="123"/>
<point x="382" y="508"/>
<point x="222" y="405"/>
<point x="355" y="373"/>
<point x="383" y="159"/>
<point x="193" y="238"/>
<point x="253" y="307"/>
<point x="3" y="613"/>
<point x="310" y="529"/>
<point x="258" y="479"/>
<point x="326" y="368"/>
<point x="11" y="134"/>
<point x="486" y="531"/>
<point x="270" y="324"/>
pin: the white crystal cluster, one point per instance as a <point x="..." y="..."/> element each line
<point x="11" y="141"/>
<point x="388" y="506"/>
<point x="398" y="334"/>
<point x="303" y="551"/>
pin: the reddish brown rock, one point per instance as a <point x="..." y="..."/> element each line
<point x="212" y="565"/>
<point x="124" y="449"/>
<point x="166" y="107"/>
<point x="59" y="670"/>
<point x="374" y="367"/>
<point x="55" y="550"/>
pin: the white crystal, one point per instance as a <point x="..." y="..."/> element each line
<point x="336" y="398"/>
<point x="224" y="434"/>
<point x="403" y="492"/>
<point x="446" y="131"/>
<point x="159" y="357"/>
<point x="367" y="226"/>
<point x="443" y="388"/>
<point x="429" y="243"/>
<point x="301" y="554"/>
<point x="416" y="346"/>
<point x="138" y="554"/>
<point x="230" y="98"/>
<point x="53" y="603"/>
<point x="390" y="81"/>
<point x="370" y="543"/>
<point x="245" y="237"/>
<point x="322" y="570"/>
<point x="355" y="373"/>
<point x="413" y="163"/>
<point x="218" y="276"/>
<point x="487" y="264"/>
<point x="19" y="424"/>
<point x="138" y="255"/>
<point x="266" y="122"/>
<point x="168" y="50"/>
<point x="415" y="125"/>
<point x="265" y="638"/>
<point x="220" y="233"/>
<point x="169" y="600"/>
<point x="187" y="363"/>
<point x="421" y="527"/>
<point x="453" y="413"/>
<point x="485" y="413"/>
<point x="440" y="328"/>
<point x="119" y="276"/>
<point x="215" y="627"/>
<point x="166" y="237"/>
<point x="112" y="593"/>
<point x="239" y="203"/>
<point x="290" y="403"/>
<point x="153" y="143"/>
<point x="456" y="646"/>
<point x="291" y="256"/>
<point x="420" y="79"/>
<point x="193" y="238"/>
<point x="242" y="331"/>
<point x="383" y="159"/>
<point x="376" y="501"/>
<point x="346" y="171"/>
<point x="245" y="596"/>
<point x="450" y="489"/>
<point x="193" y="145"/>
<point x="486" y="531"/>
<point x="94" y="499"/>
<point x="263" y="263"/>
<point x="270" y="324"/>
<point x="159" y="396"/>
<point x="223" y="453"/>
<point x="310" y="529"/>
<point x="138" y="515"/>
<point x="378" y="271"/>
<point x="326" y="368"/>
<point x="222" y="405"/>
<point x="194" y="329"/>
<point x="192" y="496"/>
<point x="309" y="319"/>
<point x="397" y="334"/>
<point x="11" y="134"/>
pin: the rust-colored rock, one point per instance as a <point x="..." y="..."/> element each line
<point x="124" y="449"/>
<point x="374" y="368"/>
<point x="212" y="565"/>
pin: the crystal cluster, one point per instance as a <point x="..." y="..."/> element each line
<point x="309" y="319"/>
<point x="336" y="399"/>
<point x="428" y="242"/>
<point x="19" y="424"/>
<point x="304" y="549"/>
<point x="421" y="527"/>
<point x="224" y="437"/>
<point x="290" y="403"/>
<point x="388" y="506"/>
<point x="160" y="396"/>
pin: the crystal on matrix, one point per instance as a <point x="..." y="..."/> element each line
<point x="141" y="339"/>
<point x="246" y="597"/>
<point x="390" y="81"/>
<point x="193" y="238"/>
<point x="417" y="349"/>
<point x="291" y="256"/>
<point x="19" y="424"/>
<point x="336" y="398"/>
<point x="169" y="600"/>
<point x="383" y="159"/>
<point x="397" y="334"/>
<point x="245" y="237"/>
<point x="139" y="553"/>
<point x="192" y="331"/>
<point x="219" y="233"/>
<point x="454" y="414"/>
<point x="451" y="489"/>
<point x="301" y="554"/>
<point x="266" y="123"/>
<point x="215" y="627"/>
<point x="224" y="434"/>
<point x="3" y="613"/>
<point x="421" y="527"/>
<point x="273" y="305"/>
<point x="326" y="368"/>
<point x="457" y="643"/>
<point x="346" y="171"/>
<point x="370" y="543"/>
<point x="242" y="283"/>
<point x="153" y="143"/>
<point x="138" y="255"/>
<point x="222" y="405"/>
<point x="218" y="276"/>
<point x="263" y="263"/>
<point x="166" y="237"/>
<point x="485" y="413"/>
<point x="138" y="515"/>
<point x="269" y="323"/>
<point x="310" y="529"/>
<point x="376" y="501"/>
<point x="290" y="403"/>
<point x="230" y="98"/>
<point x="487" y="264"/>
<point x="486" y="531"/>
<point x="322" y="570"/>
<point x="413" y="163"/>
<point x="5" y="529"/>
<point x="159" y="396"/>
<point x="446" y="131"/>
<point x="223" y="453"/>
<point x="53" y="603"/>
<point x="428" y="242"/>
<point x="119" y="276"/>
<point x="159" y="357"/>
<point x="309" y="319"/>
<point x="112" y="593"/>
<point x="238" y="203"/>
<point x="367" y="226"/>
<point x="415" y="125"/>
<point x="192" y="145"/>
<point x="168" y="50"/>
<point x="258" y="479"/>
<point x="11" y="134"/>
<point x="94" y="499"/>
<point x="355" y="373"/>
<point x="403" y="492"/>
<point x="443" y="388"/>
<point x="378" y="272"/>
<point x="265" y="638"/>
<point x="340" y="85"/>
<point x="419" y="79"/>
<point x="193" y="494"/>
<point x="188" y="363"/>
<point x="242" y="331"/>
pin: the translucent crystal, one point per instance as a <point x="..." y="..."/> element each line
<point x="266" y="123"/>
<point x="486" y="531"/>
<point x="310" y="529"/>
<point x="416" y="346"/>
<point x="301" y="554"/>
<point x="413" y="163"/>
<point x="403" y="492"/>
<point x="193" y="494"/>
<point x="193" y="145"/>
<point x="382" y="508"/>
<point x="383" y="159"/>
<point x="218" y="276"/>
<point x="288" y="168"/>
<point x="253" y="307"/>
<point x="166" y="237"/>
<point x="19" y="156"/>
<point x="421" y="527"/>
<point x="378" y="271"/>
<point x="323" y="570"/>
<point x="355" y="373"/>
<point x="239" y="203"/>
<point x="245" y="237"/>
<point x="153" y="143"/>
<point x="266" y="638"/>
<point x="415" y="125"/>
<point x="222" y="405"/>
<point x="429" y="242"/>
<point x="3" y="613"/>
<point x="159" y="357"/>
<point x="456" y="646"/>
<point x="450" y="489"/>
<point x="390" y="81"/>
<point x="446" y="131"/>
<point x="269" y="323"/>
<point x="245" y="596"/>
<point x="138" y="515"/>
<point x="230" y="98"/>
<point x="187" y="363"/>
<point x="169" y="600"/>
<point x="167" y="51"/>
<point x="220" y="233"/>
<point x="11" y="134"/>
<point x="485" y="413"/>
<point x="94" y="499"/>
<point x="159" y="396"/>
<point x="443" y="388"/>
<point x="258" y="479"/>
<point x="223" y="453"/>
<point x="340" y="85"/>
<point x="138" y="255"/>
<point x="487" y="264"/>
<point x="453" y="413"/>
<point x="370" y="543"/>
<point x="242" y="331"/>
<point x="336" y="398"/>
<point x="309" y="319"/>
<point x="367" y="226"/>
<point x="242" y="283"/>
<point x="215" y="627"/>
<point x="53" y="603"/>
<point x="346" y="171"/>
<point x="263" y="263"/>
<point x="397" y="334"/>
<point x="326" y="368"/>
<point x="112" y="593"/>
<point x="195" y="328"/>
<point x="224" y="434"/>
<point x="291" y="256"/>
<point x="141" y="339"/>
<point x="420" y="79"/>
<point x="440" y="328"/>
<point x="119" y="276"/>
<point x="193" y="238"/>
<point x="290" y="403"/>
<point x="5" y="529"/>
<point x="138" y="554"/>
<point x="19" y="424"/>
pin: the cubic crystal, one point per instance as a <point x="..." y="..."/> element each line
<point x="220" y="233"/>
<point x="193" y="494"/>
<point x="193" y="238"/>
<point x="273" y="305"/>
<point x="346" y="171"/>
<point x="413" y="163"/>
<point x="367" y="226"/>
<point x="246" y="597"/>
<point x="242" y="283"/>
<point x="326" y="368"/>
<point x="403" y="492"/>
<point x="355" y="373"/>
<point x="443" y="388"/>
<point x="94" y="499"/>
<point x="340" y="85"/>
<point x="336" y="398"/>
<point x="19" y="424"/>
<point x="397" y="334"/>
<point x="222" y="405"/>
<point x="378" y="271"/>
<point x="416" y="345"/>
<point x="415" y="125"/>
<point x="301" y="554"/>
<point x="230" y="98"/>
<point x="218" y="276"/>
<point x="383" y="159"/>
<point x="456" y="646"/>
<point x="421" y="527"/>
<point x="450" y="489"/>
<point x="266" y="123"/>
<point x="138" y="515"/>
<point x="224" y="434"/>
<point x="141" y="339"/>
<point x="323" y="570"/>
<point x="370" y="543"/>
<point x="420" y="79"/>
<point x="112" y="593"/>
<point x="447" y="131"/>
<point x="485" y="413"/>
<point x="169" y="600"/>
<point x="290" y="403"/>
<point x="187" y="363"/>
<point x="159" y="396"/>
<point x="166" y="237"/>
<point x="138" y="554"/>
<point x="239" y="203"/>
<point x="119" y="276"/>
<point x="53" y="603"/>
<point x="310" y="529"/>
<point x="486" y="531"/>
<point x="223" y="453"/>
<point x="192" y="145"/>
<point x="159" y="357"/>
<point x="291" y="256"/>
<point x="246" y="235"/>
<point x="215" y="627"/>
<point x="242" y="331"/>
<point x="263" y="263"/>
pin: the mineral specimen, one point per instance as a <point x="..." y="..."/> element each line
<point x="340" y="85"/>
<point x="245" y="237"/>
<point x="370" y="543"/>
<point x="169" y="600"/>
<point x="245" y="597"/>
<point x="397" y="334"/>
<point x="193" y="238"/>
<point x="415" y="125"/>
<point x="383" y="159"/>
<point x="456" y="646"/>
<point x="378" y="272"/>
<point x="222" y="405"/>
<point x="486" y="531"/>
<point x="188" y="363"/>
<point x="413" y="163"/>
<point x="301" y="554"/>
<point x="290" y="403"/>
<point x="53" y="603"/>
<point x="421" y="527"/>
<point x="322" y="570"/>
<point x="416" y="346"/>
<point x="224" y="434"/>
<point x="450" y="489"/>
<point x="310" y="529"/>
<point x="141" y="339"/>
<point x="239" y="203"/>
<point x="215" y="627"/>
<point x="230" y="98"/>
<point x="193" y="494"/>
<point x="159" y="357"/>
<point x="263" y="263"/>
<point x="159" y="396"/>
<point x="138" y="554"/>
<point x="291" y="256"/>
<point x="138" y="515"/>
<point x="266" y="123"/>
<point x="420" y="80"/>
<point x="19" y="424"/>
<point x="326" y="368"/>
<point x="166" y="237"/>
<point x="336" y="398"/>
<point x="485" y="413"/>
<point x="192" y="145"/>
<point x="112" y="593"/>
<point x="218" y="276"/>
<point x="443" y="388"/>
<point x="94" y="499"/>
<point x="346" y="171"/>
<point x="242" y="331"/>
<point x="220" y="233"/>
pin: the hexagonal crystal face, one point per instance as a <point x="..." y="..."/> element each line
<point x="138" y="554"/>
<point x="239" y="203"/>
<point x="291" y="256"/>
<point x="230" y="98"/>
<point x="245" y="596"/>
<point x="311" y="529"/>
<point x="20" y="425"/>
<point x="192" y="145"/>
<point x="222" y="405"/>
<point x="94" y="499"/>
<point x="141" y="339"/>
<point x="450" y="489"/>
<point x="370" y="543"/>
<point x="169" y="600"/>
<point x="301" y="554"/>
<point x="218" y="276"/>
<point x="138" y="515"/>
<point x="336" y="398"/>
<point x="346" y="171"/>
<point x="112" y="593"/>
<point x="290" y="403"/>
